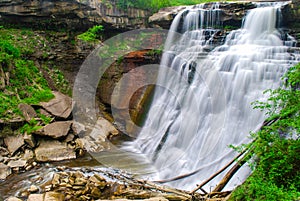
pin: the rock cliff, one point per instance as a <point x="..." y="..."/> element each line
<point x="70" y="14"/>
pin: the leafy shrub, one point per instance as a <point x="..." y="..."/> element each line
<point x="277" y="146"/>
<point x="92" y="34"/>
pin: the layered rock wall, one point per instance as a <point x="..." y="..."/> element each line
<point x="70" y="14"/>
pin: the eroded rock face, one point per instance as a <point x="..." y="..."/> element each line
<point x="71" y="14"/>
<point x="232" y="14"/>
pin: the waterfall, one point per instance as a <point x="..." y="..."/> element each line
<point x="202" y="102"/>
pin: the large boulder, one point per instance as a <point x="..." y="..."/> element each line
<point x="56" y="130"/>
<point x="51" y="150"/>
<point x="60" y="106"/>
<point x="164" y="17"/>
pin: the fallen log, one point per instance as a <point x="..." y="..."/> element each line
<point x="217" y="173"/>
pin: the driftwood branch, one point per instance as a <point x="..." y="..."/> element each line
<point x="166" y="189"/>
<point x="217" y="173"/>
<point x="231" y="173"/>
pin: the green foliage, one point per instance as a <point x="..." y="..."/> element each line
<point x="277" y="146"/>
<point x="59" y="80"/>
<point x="22" y="82"/>
<point x="92" y="34"/>
<point x="30" y="127"/>
<point x="155" y="5"/>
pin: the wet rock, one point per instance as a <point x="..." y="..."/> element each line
<point x="78" y="128"/>
<point x="5" y="171"/>
<point x="27" y="111"/>
<point x="54" y="196"/>
<point x="29" y="139"/>
<point x="103" y="129"/>
<point x="13" y="143"/>
<point x="13" y="199"/>
<point x="60" y="106"/>
<point x="56" y="130"/>
<point x="36" y="197"/>
<point x="33" y="189"/>
<point x="53" y="151"/>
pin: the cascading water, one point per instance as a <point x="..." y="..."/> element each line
<point x="204" y="100"/>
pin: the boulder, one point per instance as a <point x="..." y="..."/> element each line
<point x="60" y="106"/>
<point x="56" y="130"/>
<point x="103" y="129"/>
<point x="53" y="151"/>
<point x="27" y="111"/>
<point x="54" y="196"/>
<point x="13" y="143"/>
<point x="164" y="17"/>
<point x="5" y="171"/>
<point x="36" y="197"/>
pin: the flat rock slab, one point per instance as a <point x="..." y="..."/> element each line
<point x="13" y="199"/>
<point x="36" y="197"/>
<point x="13" y="143"/>
<point x="18" y="163"/>
<point x="56" y="130"/>
<point x="53" y="151"/>
<point x="5" y="171"/>
<point x="54" y="196"/>
<point x="60" y="106"/>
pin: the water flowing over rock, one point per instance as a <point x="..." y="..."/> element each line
<point x="204" y="103"/>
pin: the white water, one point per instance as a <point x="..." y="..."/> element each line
<point x="204" y="102"/>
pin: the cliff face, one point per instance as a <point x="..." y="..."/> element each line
<point x="291" y="18"/>
<point x="70" y="14"/>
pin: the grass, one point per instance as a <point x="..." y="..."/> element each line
<point x="21" y="81"/>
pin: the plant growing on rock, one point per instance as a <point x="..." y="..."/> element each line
<point x="276" y="173"/>
<point x="92" y="34"/>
